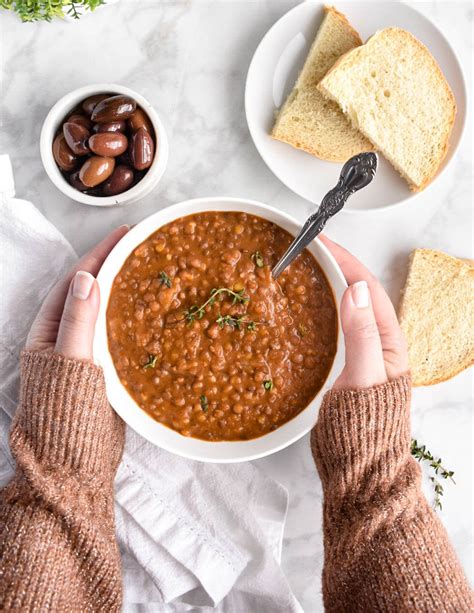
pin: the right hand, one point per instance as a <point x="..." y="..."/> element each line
<point x="376" y="350"/>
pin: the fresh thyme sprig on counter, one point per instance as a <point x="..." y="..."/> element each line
<point x="421" y="453"/>
<point x="197" y="312"/>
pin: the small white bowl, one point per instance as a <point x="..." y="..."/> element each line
<point x="56" y="116"/>
<point x="139" y="420"/>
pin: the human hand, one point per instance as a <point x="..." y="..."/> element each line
<point x="375" y="347"/>
<point x="65" y="322"/>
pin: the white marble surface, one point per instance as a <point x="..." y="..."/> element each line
<point x="190" y="60"/>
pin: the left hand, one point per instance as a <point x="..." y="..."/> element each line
<point x="66" y="320"/>
<point x="376" y="350"/>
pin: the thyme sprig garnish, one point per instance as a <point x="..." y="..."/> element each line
<point x="268" y="385"/>
<point x="236" y="322"/>
<point x="197" y="312"/>
<point x="257" y="259"/>
<point x="164" y="279"/>
<point x="204" y="403"/>
<point x="151" y="362"/>
<point x="422" y="454"/>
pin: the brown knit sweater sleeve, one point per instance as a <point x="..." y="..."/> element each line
<point x="57" y="539"/>
<point x="385" y="548"/>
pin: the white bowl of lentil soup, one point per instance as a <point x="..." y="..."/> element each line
<point x="204" y="353"/>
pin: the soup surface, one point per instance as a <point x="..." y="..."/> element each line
<point x="206" y="341"/>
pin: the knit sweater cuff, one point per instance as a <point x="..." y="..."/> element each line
<point x="359" y="428"/>
<point x="64" y="417"/>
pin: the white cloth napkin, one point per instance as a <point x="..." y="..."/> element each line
<point x="193" y="536"/>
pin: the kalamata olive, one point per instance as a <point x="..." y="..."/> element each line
<point x="65" y="158"/>
<point x="90" y="103"/>
<point x="139" y="119"/>
<point x="75" y="181"/>
<point x="96" y="169"/>
<point x="111" y="126"/>
<point x="76" y="110"/>
<point x="141" y="149"/>
<point x="119" y="181"/>
<point x="94" y="191"/>
<point x="76" y="137"/>
<point x="124" y="159"/>
<point x="108" y="144"/>
<point x="114" y="108"/>
<point x="81" y="119"/>
<point x="139" y="174"/>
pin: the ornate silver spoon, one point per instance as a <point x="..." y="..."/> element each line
<point x="356" y="173"/>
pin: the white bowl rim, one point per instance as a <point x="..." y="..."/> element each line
<point x="444" y="164"/>
<point x="137" y="418"/>
<point x="63" y="106"/>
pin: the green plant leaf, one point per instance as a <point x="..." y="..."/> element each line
<point x="46" y="10"/>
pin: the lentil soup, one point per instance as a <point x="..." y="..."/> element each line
<point x="206" y="341"/>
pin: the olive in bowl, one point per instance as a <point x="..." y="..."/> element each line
<point x="104" y="145"/>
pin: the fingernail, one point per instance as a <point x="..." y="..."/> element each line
<point x="360" y="294"/>
<point x="124" y="226"/>
<point x="82" y="285"/>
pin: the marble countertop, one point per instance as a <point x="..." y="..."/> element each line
<point x="190" y="60"/>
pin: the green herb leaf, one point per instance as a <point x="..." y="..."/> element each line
<point x="239" y="297"/>
<point x="421" y="453"/>
<point x="164" y="279"/>
<point x="268" y="385"/>
<point x="235" y="322"/>
<point x="229" y="320"/>
<point x="212" y="296"/>
<point x="193" y="313"/>
<point x="204" y="403"/>
<point x="438" y="492"/>
<point x="46" y="10"/>
<point x="257" y="259"/>
<point x="151" y="362"/>
<point x="221" y="321"/>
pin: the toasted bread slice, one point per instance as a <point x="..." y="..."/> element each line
<point x="394" y="92"/>
<point x="436" y="314"/>
<point x="307" y="120"/>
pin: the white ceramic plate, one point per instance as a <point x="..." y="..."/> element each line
<point x="124" y="404"/>
<point x="273" y="72"/>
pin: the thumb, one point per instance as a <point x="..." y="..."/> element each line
<point x="364" y="365"/>
<point x="76" y="329"/>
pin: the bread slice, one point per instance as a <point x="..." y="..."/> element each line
<point x="436" y="314"/>
<point x="394" y="92"/>
<point x="307" y="120"/>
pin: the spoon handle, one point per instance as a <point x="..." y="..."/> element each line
<point x="356" y="174"/>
